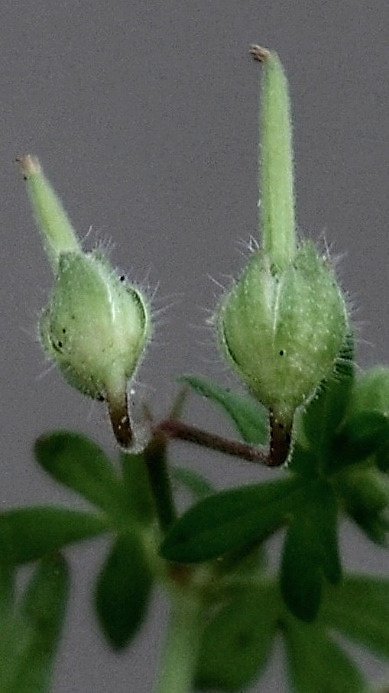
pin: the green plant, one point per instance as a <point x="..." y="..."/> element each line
<point x="284" y="327"/>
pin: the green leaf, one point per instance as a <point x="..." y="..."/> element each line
<point x="81" y="465"/>
<point x="194" y="482"/>
<point x="310" y="552"/>
<point x="371" y="391"/>
<point x="382" y="457"/>
<point x="15" y="641"/>
<point x="359" y="608"/>
<point x="137" y="487"/>
<point x="7" y="584"/>
<point x="231" y="519"/>
<point x="316" y="663"/>
<point x="123" y="589"/>
<point x="30" y="533"/>
<point x="43" y="607"/>
<point x="301" y="576"/>
<point x="249" y="417"/>
<point x="365" y="496"/>
<point x="29" y="638"/>
<point x="362" y="435"/>
<point x="242" y="563"/>
<point x="237" y="640"/>
<point x="376" y="528"/>
<point x="371" y="396"/>
<point x="303" y="461"/>
<point x="326" y="411"/>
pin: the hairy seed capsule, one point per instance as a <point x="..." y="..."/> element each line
<point x="282" y="331"/>
<point x="96" y="325"/>
<point x="284" y="321"/>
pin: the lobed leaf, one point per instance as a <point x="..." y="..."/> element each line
<point x="29" y="637"/>
<point x="228" y="520"/>
<point x="81" y="465"/>
<point x="316" y="663"/>
<point x="123" y="589"/>
<point x="310" y="552"/>
<point x="249" y="417"/>
<point x="237" y="640"/>
<point x="301" y="575"/>
<point x="361" y="437"/>
<point x="30" y="533"/>
<point x="359" y="608"/>
<point x="365" y="495"/>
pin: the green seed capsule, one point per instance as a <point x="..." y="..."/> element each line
<point x="96" y="326"/>
<point x="283" y="323"/>
<point x="283" y="331"/>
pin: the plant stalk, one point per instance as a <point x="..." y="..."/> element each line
<point x="181" y="646"/>
<point x="159" y="479"/>
<point x="182" y="431"/>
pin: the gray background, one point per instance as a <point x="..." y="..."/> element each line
<point x="144" y="115"/>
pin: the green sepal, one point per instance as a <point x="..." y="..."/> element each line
<point x="123" y="590"/>
<point x="29" y="636"/>
<point x="81" y="465"/>
<point x="237" y="639"/>
<point x="30" y="533"/>
<point x="231" y="519"/>
<point x="310" y="552"/>
<point x="316" y="663"/>
<point x="359" y="609"/>
<point x="249" y="417"/>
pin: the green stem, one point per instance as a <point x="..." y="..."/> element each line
<point x="159" y="479"/>
<point x="181" y="647"/>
